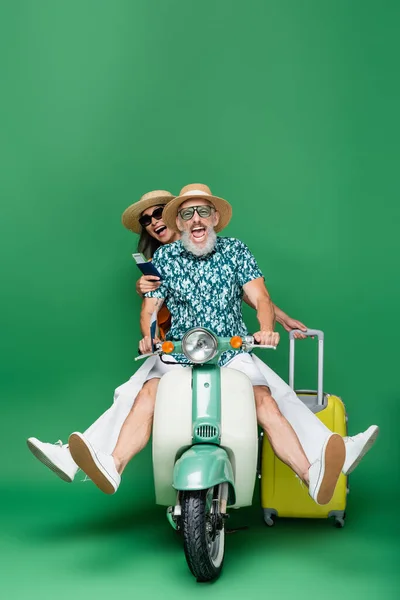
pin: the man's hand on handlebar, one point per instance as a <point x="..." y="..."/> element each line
<point x="145" y="344"/>
<point x="267" y="338"/>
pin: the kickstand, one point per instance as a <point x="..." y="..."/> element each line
<point x="245" y="527"/>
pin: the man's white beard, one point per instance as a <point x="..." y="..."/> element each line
<point x="194" y="248"/>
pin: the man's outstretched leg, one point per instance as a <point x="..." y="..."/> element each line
<point x="104" y="469"/>
<point x="322" y="475"/>
<point x="311" y="432"/>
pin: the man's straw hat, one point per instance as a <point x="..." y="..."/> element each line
<point x="200" y="192"/>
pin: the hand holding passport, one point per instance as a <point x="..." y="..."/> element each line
<point x="146" y="266"/>
<point x="151" y="278"/>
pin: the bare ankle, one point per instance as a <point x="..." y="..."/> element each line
<point x="119" y="465"/>
<point x="306" y="478"/>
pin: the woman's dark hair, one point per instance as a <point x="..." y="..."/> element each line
<point x="147" y="245"/>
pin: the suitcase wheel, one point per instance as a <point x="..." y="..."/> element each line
<point x="270" y="520"/>
<point x="340" y="521"/>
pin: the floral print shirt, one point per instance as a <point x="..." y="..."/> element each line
<point x="205" y="291"/>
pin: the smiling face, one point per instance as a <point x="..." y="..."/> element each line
<point x="198" y="229"/>
<point x="157" y="229"/>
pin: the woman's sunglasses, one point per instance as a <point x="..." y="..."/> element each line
<point x="203" y="212"/>
<point x="145" y="220"/>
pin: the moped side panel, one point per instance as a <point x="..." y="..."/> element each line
<point x="239" y="431"/>
<point x="172" y="430"/>
<point x="203" y="466"/>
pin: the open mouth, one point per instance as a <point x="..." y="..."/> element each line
<point x="160" y="230"/>
<point x="198" y="233"/>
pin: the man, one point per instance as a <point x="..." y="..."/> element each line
<point x="145" y="218"/>
<point x="204" y="278"/>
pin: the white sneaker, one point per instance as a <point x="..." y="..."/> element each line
<point x="97" y="465"/>
<point x="358" y="446"/>
<point x="324" y="472"/>
<point x="55" y="456"/>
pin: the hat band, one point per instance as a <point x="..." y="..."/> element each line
<point x="196" y="193"/>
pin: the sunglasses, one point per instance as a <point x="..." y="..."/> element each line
<point x="203" y="211"/>
<point x="145" y="220"/>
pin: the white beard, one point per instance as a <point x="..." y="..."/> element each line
<point x="194" y="248"/>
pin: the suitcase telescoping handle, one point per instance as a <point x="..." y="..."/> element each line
<point x="309" y="333"/>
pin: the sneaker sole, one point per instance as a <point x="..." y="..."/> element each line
<point x="368" y="444"/>
<point x="334" y="457"/>
<point x="86" y="459"/>
<point x="47" y="462"/>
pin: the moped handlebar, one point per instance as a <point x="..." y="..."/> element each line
<point x="143" y="356"/>
<point x="262" y="346"/>
<point x="247" y="344"/>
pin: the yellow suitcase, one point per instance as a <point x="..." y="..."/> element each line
<point x="282" y="493"/>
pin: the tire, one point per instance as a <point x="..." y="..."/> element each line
<point x="203" y="534"/>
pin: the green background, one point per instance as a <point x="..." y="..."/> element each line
<point x="289" y="109"/>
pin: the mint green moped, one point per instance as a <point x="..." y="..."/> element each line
<point x="205" y="445"/>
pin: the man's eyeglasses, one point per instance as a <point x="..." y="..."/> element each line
<point x="203" y="211"/>
<point x="145" y="220"/>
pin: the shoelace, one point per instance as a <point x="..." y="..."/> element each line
<point x="350" y="438"/>
<point x="59" y="443"/>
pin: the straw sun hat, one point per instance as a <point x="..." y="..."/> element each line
<point x="201" y="192"/>
<point x="130" y="216"/>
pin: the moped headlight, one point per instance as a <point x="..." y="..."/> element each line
<point x="199" y="345"/>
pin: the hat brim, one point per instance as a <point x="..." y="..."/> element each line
<point x="222" y="206"/>
<point x="131" y="216"/>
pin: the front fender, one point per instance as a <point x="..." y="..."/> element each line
<point x="202" y="467"/>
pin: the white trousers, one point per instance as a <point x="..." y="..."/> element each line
<point x="241" y="362"/>
<point x="103" y="433"/>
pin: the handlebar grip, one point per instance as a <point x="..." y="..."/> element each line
<point x="143" y="356"/>
<point x="254" y="343"/>
<point x="266" y="346"/>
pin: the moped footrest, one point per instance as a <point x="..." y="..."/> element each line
<point x="170" y="518"/>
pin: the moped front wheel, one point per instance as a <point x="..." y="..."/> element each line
<point x="203" y="533"/>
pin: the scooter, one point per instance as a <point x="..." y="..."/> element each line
<point x="205" y="444"/>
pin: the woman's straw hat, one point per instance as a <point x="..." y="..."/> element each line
<point x="130" y="216"/>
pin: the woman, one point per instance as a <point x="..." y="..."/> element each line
<point x="145" y="218"/>
<point x="152" y="234"/>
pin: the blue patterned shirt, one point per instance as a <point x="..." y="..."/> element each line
<point x="205" y="291"/>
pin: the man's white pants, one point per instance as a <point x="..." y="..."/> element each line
<point x="103" y="433"/>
